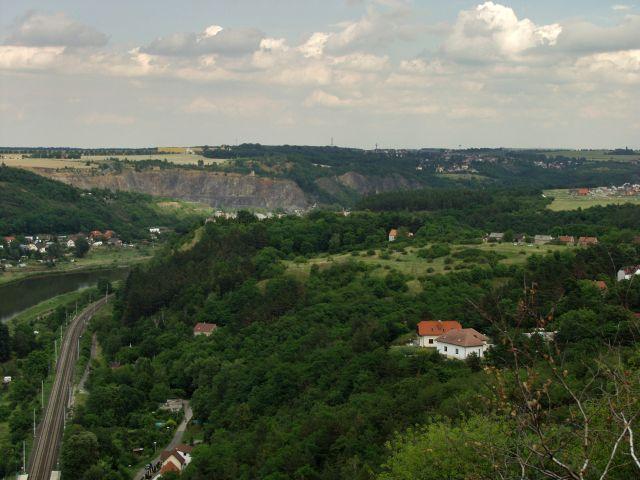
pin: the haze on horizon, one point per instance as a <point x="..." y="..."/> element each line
<point x="393" y="72"/>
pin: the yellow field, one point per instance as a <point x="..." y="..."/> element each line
<point x="12" y="160"/>
<point x="563" y="200"/>
<point x="177" y="158"/>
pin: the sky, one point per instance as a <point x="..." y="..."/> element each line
<point x="396" y="73"/>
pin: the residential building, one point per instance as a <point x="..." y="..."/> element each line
<point x="627" y="273"/>
<point x="542" y="239"/>
<point x="175" y="460"/>
<point x="459" y="344"/>
<point x="205" y="329"/>
<point x="541" y="332"/>
<point x="430" y="330"/>
<point x="586" y="241"/>
<point x="520" y="238"/>
<point x="567" y="239"/>
<point x="71" y="243"/>
<point x="495" y="237"/>
<point x="583" y="192"/>
<point x="393" y="234"/>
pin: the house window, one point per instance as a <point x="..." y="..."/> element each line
<point x="456" y="351"/>
<point x="431" y="340"/>
<point x="445" y="349"/>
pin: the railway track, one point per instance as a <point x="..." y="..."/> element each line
<point x="44" y="455"/>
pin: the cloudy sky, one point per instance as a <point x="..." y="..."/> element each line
<point x="518" y="73"/>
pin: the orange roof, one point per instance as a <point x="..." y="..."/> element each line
<point x="169" y="467"/>
<point x="183" y="448"/>
<point x="583" y="191"/>
<point x="204" y="327"/>
<point x="431" y="328"/>
<point x="467" y="337"/>
<point x="95" y="233"/>
<point x="393" y="232"/>
<point x="566" y="239"/>
<point x="601" y="285"/>
<point x="588" y="240"/>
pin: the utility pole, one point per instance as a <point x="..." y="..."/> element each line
<point x="34" y="423"/>
<point x="42" y="394"/>
<point x="24" y="451"/>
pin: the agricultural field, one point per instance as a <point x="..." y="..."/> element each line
<point x="16" y="160"/>
<point x="593" y="155"/>
<point x="563" y="200"/>
<point x="410" y="264"/>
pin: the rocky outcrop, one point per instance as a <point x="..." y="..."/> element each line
<point x="369" y="184"/>
<point x="215" y="189"/>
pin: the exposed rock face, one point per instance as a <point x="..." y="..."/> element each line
<point x="365" y="185"/>
<point x="215" y="189"/>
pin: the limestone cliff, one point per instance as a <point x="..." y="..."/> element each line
<point x="215" y="189"/>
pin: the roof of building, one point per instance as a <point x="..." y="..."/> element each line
<point x="184" y="448"/>
<point x="173" y="453"/>
<point x="393" y="232"/>
<point x="204" y="327"/>
<point x="466" y="337"/>
<point x="601" y="284"/>
<point x="588" y="240"/>
<point x="430" y="328"/>
<point x="567" y="238"/>
<point x="169" y="467"/>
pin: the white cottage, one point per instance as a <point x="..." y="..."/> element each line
<point x="459" y="344"/>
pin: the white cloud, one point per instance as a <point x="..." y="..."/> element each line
<point x="315" y="45"/>
<point x="40" y="29"/>
<point x="622" y="66"/>
<point x="214" y="39"/>
<point x="621" y="8"/>
<point x="14" y="57"/>
<point x="320" y="98"/>
<point x="493" y="32"/>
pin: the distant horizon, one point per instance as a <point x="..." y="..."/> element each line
<point x="426" y="147"/>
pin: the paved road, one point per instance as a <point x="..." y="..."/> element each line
<point x="44" y="454"/>
<point x="175" y="441"/>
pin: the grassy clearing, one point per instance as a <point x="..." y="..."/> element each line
<point x="410" y="264"/>
<point x="592" y="155"/>
<point x="563" y="200"/>
<point x="183" y="209"/>
<point x="177" y="158"/>
<point x="12" y="160"/>
<point x="97" y="258"/>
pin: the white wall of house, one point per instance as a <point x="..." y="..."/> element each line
<point x="459" y="353"/>
<point x="427" y="341"/>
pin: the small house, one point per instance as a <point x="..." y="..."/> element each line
<point x="495" y="237"/>
<point x="627" y="273"/>
<point x="393" y="234"/>
<point x="459" y="344"/>
<point x="586" y="241"/>
<point x="583" y="192"/>
<point x="430" y="330"/>
<point x="567" y="239"/>
<point x="95" y="234"/>
<point x="205" y="329"/>
<point x="602" y="285"/>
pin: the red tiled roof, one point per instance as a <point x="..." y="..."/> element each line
<point x="588" y="240"/>
<point x="430" y="328"/>
<point x="204" y="327"/>
<point x="567" y="239"/>
<point x="183" y="448"/>
<point x="169" y="467"/>
<point x="393" y="232"/>
<point x="467" y="337"/>
<point x="601" y="285"/>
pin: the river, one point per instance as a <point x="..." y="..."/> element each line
<point x="18" y="296"/>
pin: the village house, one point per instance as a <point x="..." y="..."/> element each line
<point x="542" y="239"/>
<point x="520" y="238"/>
<point x="547" y="336"/>
<point x="627" y="273"/>
<point x="602" y="285"/>
<point x="567" y="239"/>
<point x="393" y="234"/>
<point x="430" y="330"/>
<point x="9" y="240"/>
<point x="175" y="460"/>
<point x="95" y="234"/>
<point x="583" y="192"/>
<point x="495" y="237"/>
<point x="459" y="344"/>
<point x="586" y="241"/>
<point x="70" y="243"/>
<point x="205" y="329"/>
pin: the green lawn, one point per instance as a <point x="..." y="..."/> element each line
<point x="414" y="266"/>
<point x="563" y="200"/>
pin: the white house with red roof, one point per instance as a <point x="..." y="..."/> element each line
<point x="430" y="330"/>
<point x="460" y="343"/>
<point x="204" y="329"/>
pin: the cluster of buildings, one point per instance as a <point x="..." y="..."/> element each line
<point x="627" y="273"/>
<point x="451" y="340"/>
<point x="522" y="239"/>
<point x="624" y="190"/>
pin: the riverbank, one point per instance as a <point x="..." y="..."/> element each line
<point x="96" y="260"/>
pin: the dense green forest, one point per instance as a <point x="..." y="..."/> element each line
<point x="311" y="377"/>
<point x="30" y="203"/>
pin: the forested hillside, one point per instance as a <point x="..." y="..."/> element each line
<point x="310" y="377"/>
<point x="30" y="203"/>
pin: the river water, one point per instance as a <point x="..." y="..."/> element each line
<point x="17" y="297"/>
